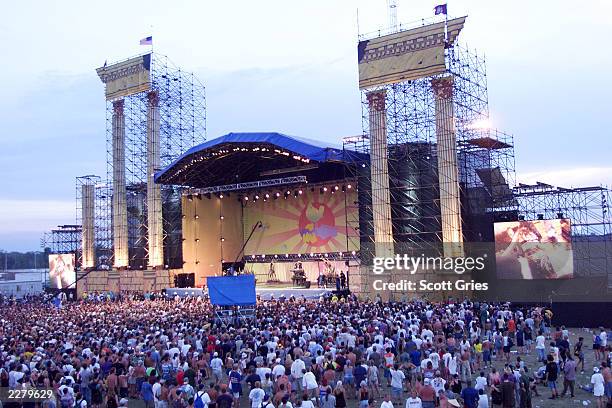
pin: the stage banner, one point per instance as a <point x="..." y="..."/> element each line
<point x="406" y="55"/>
<point x="309" y="223"/>
<point x="127" y="77"/>
<point x="62" y="274"/>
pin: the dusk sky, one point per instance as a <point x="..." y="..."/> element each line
<point x="283" y="66"/>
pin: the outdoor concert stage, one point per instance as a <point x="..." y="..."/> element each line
<point x="281" y="208"/>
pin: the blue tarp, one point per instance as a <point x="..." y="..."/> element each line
<point x="311" y="149"/>
<point x="232" y="290"/>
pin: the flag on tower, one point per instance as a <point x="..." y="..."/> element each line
<point x="440" y="9"/>
<point x="147" y="41"/>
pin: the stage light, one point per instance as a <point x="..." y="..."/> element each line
<point x="276" y="195"/>
<point x="340" y="253"/>
<point x="222" y="239"/>
<point x="267" y="195"/>
<point x="300" y="192"/>
<point x="220" y="195"/>
<point x="184" y="216"/>
<point x="353" y="253"/>
<point x="253" y="256"/>
<point x="363" y="165"/>
<point x="287" y="194"/>
<point x="275" y="256"/>
<point x="324" y="188"/>
<point x="311" y="254"/>
<point x="197" y="240"/>
<point x="256" y="197"/>
<point x="336" y="188"/>
<point x="246" y="198"/>
<point x="325" y="255"/>
<point x="221" y="217"/>
<point x="196" y="216"/>
<point x="349" y="186"/>
<point x="263" y="256"/>
<point x="287" y="255"/>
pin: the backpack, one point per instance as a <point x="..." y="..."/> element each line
<point x="198" y="403"/>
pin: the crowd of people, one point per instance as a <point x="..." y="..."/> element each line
<point x="106" y="351"/>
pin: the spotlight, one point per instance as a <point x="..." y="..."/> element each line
<point x="222" y="239"/>
<point x="267" y="195"/>
<point x="276" y="195"/>
<point x="300" y="192"/>
<point x="253" y="256"/>
<point x="197" y="240"/>
<point x="349" y="186"/>
<point x="353" y="253"/>
<point x="276" y="256"/>
<point x="287" y="194"/>
<point x="220" y="195"/>
<point x="363" y="165"/>
<point x="246" y="198"/>
<point x="196" y="216"/>
<point x="324" y="189"/>
<point x="336" y="188"/>
<point x="287" y="255"/>
<point x="256" y="197"/>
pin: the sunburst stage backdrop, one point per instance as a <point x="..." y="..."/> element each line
<point x="309" y="223"/>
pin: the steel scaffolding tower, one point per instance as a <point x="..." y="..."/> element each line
<point x="588" y="209"/>
<point x="155" y="135"/>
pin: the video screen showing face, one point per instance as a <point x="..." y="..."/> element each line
<point x="61" y="271"/>
<point x="539" y="249"/>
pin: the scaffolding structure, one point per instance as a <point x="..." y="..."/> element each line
<point x="102" y="228"/>
<point x="65" y="239"/>
<point x="588" y="209"/>
<point x="154" y="137"/>
<point x="485" y="157"/>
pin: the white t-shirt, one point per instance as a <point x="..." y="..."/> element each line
<point x="397" y="378"/>
<point x="204" y="397"/>
<point x="603" y="336"/>
<point x="386" y="404"/>
<point x="297" y="367"/>
<point x="540" y="340"/>
<point x="256" y="396"/>
<point x="414" y="403"/>
<point x="438" y="384"/>
<point x="481" y="383"/>
<point x="216" y="364"/>
<point x="307" y="404"/>
<point x="483" y="401"/>
<point x="309" y="382"/>
<point x="598" y="384"/>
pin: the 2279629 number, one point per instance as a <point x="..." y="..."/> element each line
<point x="25" y="395"/>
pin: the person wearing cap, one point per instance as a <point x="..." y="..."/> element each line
<point x="216" y="365"/>
<point x="427" y="394"/>
<point x="597" y="380"/>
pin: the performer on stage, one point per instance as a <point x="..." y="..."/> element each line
<point x="272" y="273"/>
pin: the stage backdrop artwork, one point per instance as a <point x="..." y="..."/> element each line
<point x="309" y="223"/>
<point x="539" y="249"/>
<point x="61" y="271"/>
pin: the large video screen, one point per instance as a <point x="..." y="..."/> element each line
<point x="539" y="249"/>
<point x="61" y="271"/>
<point x="309" y="223"/>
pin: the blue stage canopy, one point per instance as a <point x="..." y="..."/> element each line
<point x="232" y="290"/>
<point x="315" y="151"/>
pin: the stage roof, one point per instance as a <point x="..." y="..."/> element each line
<point x="240" y="157"/>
